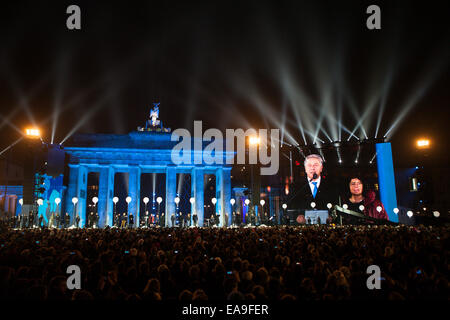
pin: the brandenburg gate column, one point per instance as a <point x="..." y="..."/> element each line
<point x="223" y="195"/>
<point x="171" y="189"/>
<point x="197" y="192"/>
<point x="105" y="195"/>
<point x="227" y="193"/>
<point x="77" y="188"/>
<point x="134" y="191"/>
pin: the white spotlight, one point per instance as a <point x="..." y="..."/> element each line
<point x="284" y="206"/>
<point x="379" y="208"/>
<point x="436" y="214"/>
<point x="232" y="201"/>
<point x="146" y="200"/>
<point x="21" y="202"/>
<point x="177" y="200"/>
<point x="115" y="199"/>
<point x="74" y="200"/>
<point x="313" y="204"/>
<point x="192" y="200"/>
<point x="128" y="199"/>
<point x="57" y="201"/>
<point x="396" y="211"/>
<point x="345" y="206"/>
<point x="329" y="205"/>
<point x="214" y="200"/>
<point x="40" y="202"/>
<point x="159" y="200"/>
<point x="95" y="200"/>
<point x="247" y="202"/>
<point x="361" y="208"/>
<point x="409" y="213"/>
<point x="262" y="202"/>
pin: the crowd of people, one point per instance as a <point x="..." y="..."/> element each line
<point x="325" y="262"/>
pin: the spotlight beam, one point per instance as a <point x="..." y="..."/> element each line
<point x="11" y="145"/>
<point x="418" y="93"/>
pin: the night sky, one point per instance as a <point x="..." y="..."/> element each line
<point x="232" y="64"/>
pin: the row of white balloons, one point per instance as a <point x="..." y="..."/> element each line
<point x="40" y="202"/>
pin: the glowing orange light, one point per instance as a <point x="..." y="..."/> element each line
<point x="423" y="143"/>
<point x="33" y="133"/>
<point x="254" y="140"/>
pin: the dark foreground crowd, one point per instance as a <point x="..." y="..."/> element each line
<point x="275" y="263"/>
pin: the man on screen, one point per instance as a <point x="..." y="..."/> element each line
<point x="315" y="188"/>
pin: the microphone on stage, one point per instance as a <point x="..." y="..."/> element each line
<point x="315" y="176"/>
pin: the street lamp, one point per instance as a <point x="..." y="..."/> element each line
<point x="115" y="200"/>
<point x="95" y="200"/>
<point x="192" y="201"/>
<point x="177" y="201"/>
<point x="57" y="201"/>
<point x="74" y="201"/>
<point x="145" y="200"/>
<point x="262" y="202"/>
<point x="214" y="201"/>
<point x="128" y="200"/>
<point x="247" y="202"/>
<point x="159" y="200"/>
<point x="232" y="202"/>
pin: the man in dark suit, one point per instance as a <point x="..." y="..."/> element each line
<point x="314" y="189"/>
